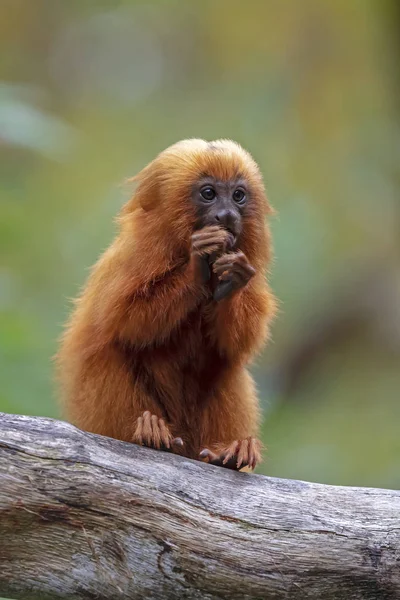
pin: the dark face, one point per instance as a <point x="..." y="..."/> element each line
<point x="220" y="203"/>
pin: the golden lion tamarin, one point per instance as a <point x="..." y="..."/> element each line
<point x="156" y="349"/>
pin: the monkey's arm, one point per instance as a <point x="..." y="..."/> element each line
<point x="146" y="313"/>
<point x="241" y="319"/>
<point x="130" y="298"/>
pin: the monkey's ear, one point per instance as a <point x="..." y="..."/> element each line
<point x="146" y="194"/>
<point x="269" y="209"/>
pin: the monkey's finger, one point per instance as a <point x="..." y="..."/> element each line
<point x="208" y="229"/>
<point x="155" y="432"/>
<point x="231" y="452"/>
<point x="137" y="436"/>
<point x="236" y="255"/>
<point x="230" y="456"/>
<point x="243" y="454"/>
<point x="245" y="271"/>
<point x="147" y="429"/>
<point x="242" y="273"/>
<point x="234" y="262"/>
<point x="224" y="261"/>
<point x="219" y="460"/>
<point x="165" y="433"/>
<point x="220" y="236"/>
<point x="254" y="452"/>
<point x="227" y="275"/>
<point x="202" y="237"/>
<point x="211" y="245"/>
<point x="226" y="271"/>
<point x="202" y="243"/>
<point x="245" y="268"/>
<point x="220" y="267"/>
<point x="217" y="234"/>
<point x="217" y="230"/>
<point x="206" y="250"/>
<point x="227" y="258"/>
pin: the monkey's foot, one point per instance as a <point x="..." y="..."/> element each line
<point x="239" y="454"/>
<point x="152" y="431"/>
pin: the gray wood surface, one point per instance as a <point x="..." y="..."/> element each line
<point x="82" y="516"/>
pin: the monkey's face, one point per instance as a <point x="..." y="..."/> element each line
<point x="194" y="184"/>
<point x="222" y="203"/>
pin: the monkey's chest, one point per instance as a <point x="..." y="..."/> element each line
<point x="186" y="369"/>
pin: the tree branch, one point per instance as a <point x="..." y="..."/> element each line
<point x="83" y="516"/>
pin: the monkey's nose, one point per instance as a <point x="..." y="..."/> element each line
<point x="227" y="219"/>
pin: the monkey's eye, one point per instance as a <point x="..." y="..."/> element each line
<point x="208" y="193"/>
<point x="239" y="196"/>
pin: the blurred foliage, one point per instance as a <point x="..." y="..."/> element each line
<point x="91" y="91"/>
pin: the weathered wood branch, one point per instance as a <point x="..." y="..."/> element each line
<point x="82" y="516"/>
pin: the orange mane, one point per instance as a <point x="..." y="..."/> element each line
<point x="163" y="196"/>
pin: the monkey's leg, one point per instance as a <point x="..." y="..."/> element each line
<point x="152" y="431"/>
<point x="239" y="454"/>
<point x="230" y="423"/>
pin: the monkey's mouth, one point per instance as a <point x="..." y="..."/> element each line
<point x="232" y="239"/>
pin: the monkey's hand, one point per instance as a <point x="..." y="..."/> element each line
<point x="211" y="240"/>
<point x="239" y="454"/>
<point x="234" y="271"/>
<point x="151" y="431"/>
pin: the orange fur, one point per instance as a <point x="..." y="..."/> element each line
<point x="145" y="335"/>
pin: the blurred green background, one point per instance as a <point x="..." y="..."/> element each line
<point x="91" y="91"/>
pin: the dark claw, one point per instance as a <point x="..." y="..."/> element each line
<point x="176" y="442"/>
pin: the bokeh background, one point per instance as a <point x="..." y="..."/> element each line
<point x="91" y="91"/>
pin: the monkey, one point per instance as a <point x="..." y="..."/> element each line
<point x="157" y="348"/>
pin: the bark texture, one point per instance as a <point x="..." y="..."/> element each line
<point x="82" y="516"/>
